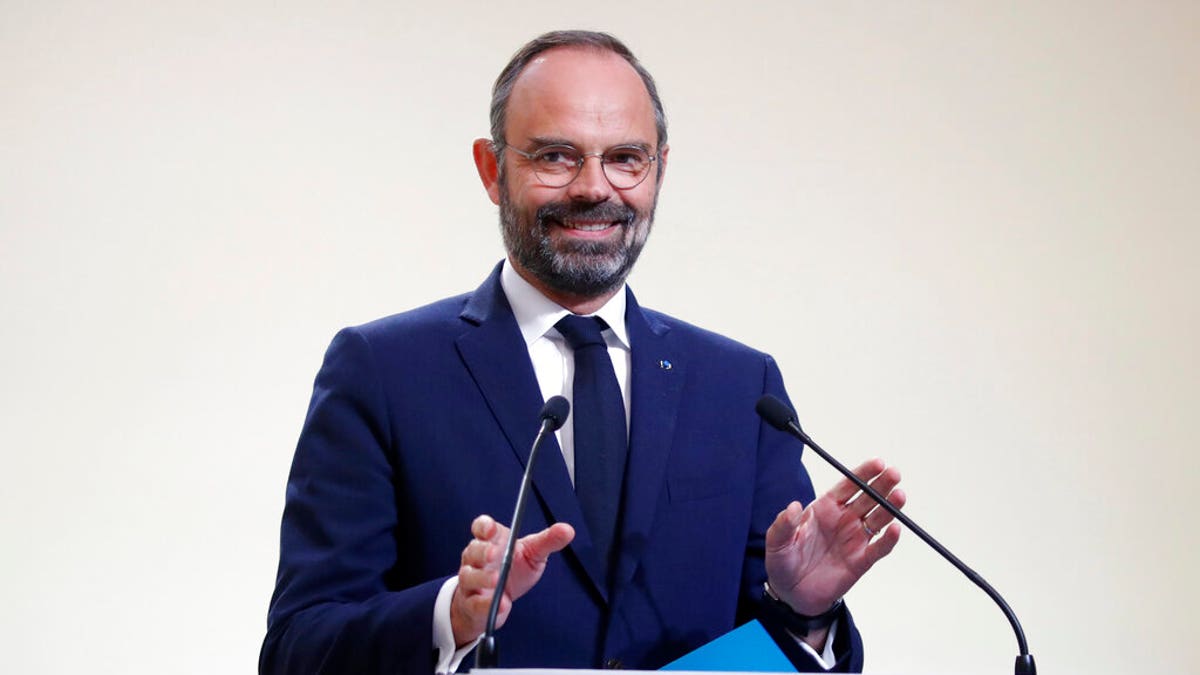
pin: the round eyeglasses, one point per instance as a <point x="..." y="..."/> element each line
<point x="556" y="166"/>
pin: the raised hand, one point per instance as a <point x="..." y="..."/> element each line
<point x="815" y="554"/>
<point x="480" y="572"/>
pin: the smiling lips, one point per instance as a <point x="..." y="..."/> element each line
<point x="588" y="226"/>
<point x="596" y="221"/>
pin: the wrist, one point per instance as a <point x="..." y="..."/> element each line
<point x="801" y="625"/>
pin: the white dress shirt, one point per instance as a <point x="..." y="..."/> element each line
<point x="554" y="365"/>
<point x="553" y="359"/>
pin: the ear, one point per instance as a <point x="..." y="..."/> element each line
<point x="486" y="165"/>
<point x="662" y="163"/>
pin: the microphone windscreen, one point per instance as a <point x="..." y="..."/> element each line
<point x="556" y="411"/>
<point x="775" y="412"/>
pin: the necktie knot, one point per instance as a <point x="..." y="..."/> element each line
<point x="582" y="331"/>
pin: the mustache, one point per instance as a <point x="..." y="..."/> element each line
<point x="560" y="211"/>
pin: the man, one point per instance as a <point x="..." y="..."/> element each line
<point x="421" y="422"/>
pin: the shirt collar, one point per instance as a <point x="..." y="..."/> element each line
<point x="536" y="314"/>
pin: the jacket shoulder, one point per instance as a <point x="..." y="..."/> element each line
<point x="441" y="317"/>
<point x="703" y="340"/>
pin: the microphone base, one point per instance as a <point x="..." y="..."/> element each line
<point x="485" y="652"/>
<point x="1025" y="665"/>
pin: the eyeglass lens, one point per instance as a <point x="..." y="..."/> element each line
<point x="559" y="165"/>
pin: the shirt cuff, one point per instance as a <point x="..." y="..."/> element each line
<point x="449" y="658"/>
<point x="826" y="658"/>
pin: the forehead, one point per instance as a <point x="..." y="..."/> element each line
<point x="585" y="96"/>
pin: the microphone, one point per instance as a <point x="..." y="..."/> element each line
<point x="779" y="415"/>
<point x="553" y="416"/>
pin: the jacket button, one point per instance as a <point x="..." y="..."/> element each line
<point x="614" y="664"/>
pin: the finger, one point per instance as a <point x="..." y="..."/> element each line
<point x="478" y="553"/>
<point x="473" y="553"/>
<point x="469" y="606"/>
<point x="481" y="527"/>
<point x="536" y="548"/>
<point x="883" y="545"/>
<point x="782" y="531"/>
<point x="473" y="581"/>
<point x="845" y="488"/>
<point x="487" y="529"/>
<point x="478" y="604"/>
<point x="884" y="483"/>
<point x="880" y="517"/>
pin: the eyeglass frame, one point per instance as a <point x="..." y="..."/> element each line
<point x="651" y="160"/>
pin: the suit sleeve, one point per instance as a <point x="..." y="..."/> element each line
<point x="334" y="610"/>
<point x="781" y="479"/>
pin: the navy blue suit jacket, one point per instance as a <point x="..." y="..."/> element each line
<point x="421" y="421"/>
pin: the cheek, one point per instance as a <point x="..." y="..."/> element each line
<point x="529" y="198"/>
<point x="641" y="200"/>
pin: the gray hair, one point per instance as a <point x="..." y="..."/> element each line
<point x="568" y="38"/>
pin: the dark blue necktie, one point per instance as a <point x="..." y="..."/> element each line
<point x="601" y="442"/>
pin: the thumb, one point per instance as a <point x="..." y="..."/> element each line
<point x="782" y="532"/>
<point x="537" y="547"/>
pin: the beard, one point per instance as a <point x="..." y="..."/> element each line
<point x="585" y="269"/>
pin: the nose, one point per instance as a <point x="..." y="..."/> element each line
<point x="591" y="185"/>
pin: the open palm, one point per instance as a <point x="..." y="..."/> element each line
<point x="814" y="554"/>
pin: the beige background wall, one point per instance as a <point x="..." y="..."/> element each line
<point x="967" y="230"/>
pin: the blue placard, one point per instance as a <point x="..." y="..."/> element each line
<point x="747" y="648"/>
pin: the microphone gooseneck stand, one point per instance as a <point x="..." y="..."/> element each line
<point x="779" y="415"/>
<point x="553" y="416"/>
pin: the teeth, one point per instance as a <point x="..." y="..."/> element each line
<point x="589" y="227"/>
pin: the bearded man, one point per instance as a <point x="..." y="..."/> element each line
<point x="666" y="513"/>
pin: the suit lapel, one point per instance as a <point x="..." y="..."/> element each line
<point x="496" y="356"/>
<point x="657" y="370"/>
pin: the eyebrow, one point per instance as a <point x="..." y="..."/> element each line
<point x="543" y="141"/>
